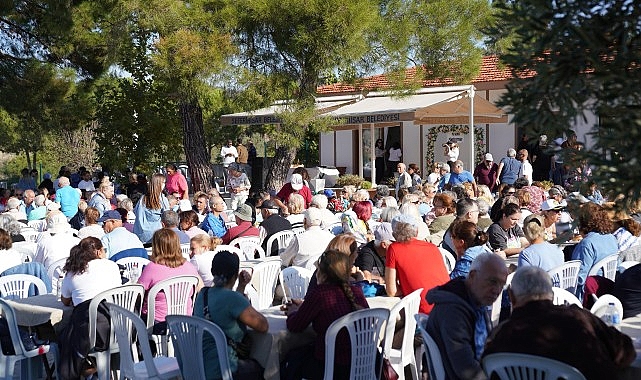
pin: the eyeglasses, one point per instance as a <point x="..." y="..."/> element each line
<point x="510" y="193"/>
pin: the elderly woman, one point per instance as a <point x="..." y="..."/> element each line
<point x="91" y="228"/>
<point x="444" y="209"/>
<point x="12" y="226"/>
<point x="231" y="311"/>
<point x="356" y="221"/>
<point x="328" y="218"/>
<point x="296" y="207"/>
<point x="551" y="212"/>
<point x="411" y="263"/>
<point x="9" y="257"/>
<point x="598" y="243"/>
<point x="412" y="210"/>
<point x="238" y="185"/>
<point x="87" y="273"/>
<point x="506" y="236"/>
<point x="539" y="253"/>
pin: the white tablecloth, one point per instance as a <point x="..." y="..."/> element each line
<point x="632" y="328"/>
<point x="38" y="310"/>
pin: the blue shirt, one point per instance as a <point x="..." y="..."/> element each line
<point x="460" y="178"/>
<point x="118" y="240"/>
<point x="543" y="255"/>
<point x="215" y="224"/>
<point x="591" y="249"/>
<point x="68" y="198"/>
<point x="184" y="238"/>
<point x="148" y="220"/>
<point x="510" y="170"/>
<point x="462" y="267"/>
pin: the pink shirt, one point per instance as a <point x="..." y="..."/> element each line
<point x="154" y="273"/>
<point x="176" y="183"/>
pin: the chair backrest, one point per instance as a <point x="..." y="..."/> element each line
<point x="434" y="360"/>
<point x="230" y="248"/>
<point x="601" y="305"/>
<point x="56" y="274"/>
<point x="498" y="303"/>
<point x="409" y="304"/>
<point x="512" y="366"/>
<point x="18" y="347"/>
<point x="282" y="238"/>
<point x="264" y="280"/>
<point x="563" y="297"/>
<point x="38" y="225"/>
<point x="187" y="334"/>
<point x="448" y="259"/>
<point x="185" y="249"/>
<point x="26" y="248"/>
<point x="15" y="286"/>
<point x="122" y="322"/>
<point x="127" y="296"/>
<point x="249" y="245"/>
<point x="295" y="281"/>
<point x="364" y="328"/>
<point x="178" y="292"/>
<point x="133" y="267"/>
<point x="608" y="265"/>
<point x="566" y="275"/>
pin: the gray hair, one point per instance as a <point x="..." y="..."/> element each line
<point x="390" y="201"/>
<point x="485" y="258"/>
<point x="410" y="209"/>
<point x="484" y="207"/>
<point x="313" y="216"/>
<point x="170" y="218"/>
<point x="212" y="201"/>
<point x="9" y="224"/>
<point x="320" y="201"/>
<point x="531" y="281"/>
<point x="40" y="200"/>
<point x="382" y="190"/>
<point x="511" y="152"/>
<point x="404" y="227"/>
<point x="12" y="203"/>
<point x="127" y="204"/>
<point x="388" y="213"/>
<point x="63" y="181"/>
<point x="446" y="168"/>
<point x="465" y="205"/>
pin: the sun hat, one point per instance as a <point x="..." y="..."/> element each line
<point x="296" y="182"/>
<point x="552" y="204"/>
<point x="244" y="212"/>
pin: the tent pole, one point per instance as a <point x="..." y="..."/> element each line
<point x="360" y="150"/>
<point x="372" y="154"/>
<point x="471" y="132"/>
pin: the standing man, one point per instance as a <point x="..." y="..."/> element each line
<point x="176" y="182"/>
<point x="460" y="176"/>
<point x="526" y="168"/>
<point x="243" y="155"/>
<point x="459" y="322"/>
<point x="486" y="172"/>
<point x="404" y="181"/>
<point x="509" y="168"/>
<point x="229" y="153"/>
<point x="67" y="197"/>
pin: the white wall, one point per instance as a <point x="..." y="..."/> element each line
<point x="327" y="149"/>
<point x="411" y="144"/>
<point x="344" y="150"/>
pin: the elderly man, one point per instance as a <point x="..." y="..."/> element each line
<point x="486" y="172"/>
<point x="244" y="226"/>
<point x="101" y="199"/>
<point x="319" y="201"/>
<point x="214" y="223"/>
<point x="371" y="256"/>
<point x="170" y="219"/>
<point x="67" y="197"/>
<point x="56" y="242"/>
<point x="459" y="322"/>
<point x="411" y="263"/>
<point x="13" y="208"/>
<point x="271" y="224"/>
<point x="116" y="238"/>
<point x="307" y="247"/>
<point x="466" y="209"/>
<point x="568" y="334"/>
<point x="509" y="168"/>
<point x="404" y="181"/>
<point x="460" y="176"/>
<point x="28" y="204"/>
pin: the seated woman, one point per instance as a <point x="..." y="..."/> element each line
<point x="296" y="207"/>
<point x="356" y="221"/>
<point x="331" y="299"/>
<point x="345" y="243"/>
<point x="88" y="273"/>
<point x="189" y="223"/>
<point x="167" y="261"/>
<point x="198" y="245"/>
<point x="91" y="228"/>
<point x="505" y="236"/>
<point x="231" y="311"/>
<point x="539" y="253"/>
<point x="444" y="214"/>
<point x="469" y="242"/>
<point x="9" y="257"/>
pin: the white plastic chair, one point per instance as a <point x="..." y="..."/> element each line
<point x="178" y="292"/>
<point x="26" y="248"/>
<point x="434" y="360"/>
<point x="512" y="366"/>
<point x="264" y="280"/>
<point x="161" y="367"/>
<point x="232" y="249"/>
<point x="298" y="230"/>
<point x="133" y="267"/>
<point x="608" y="265"/>
<point x="496" y="306"/>
<point x="563" y="297"/>
<point x="399" y="358"/>
<point x="15" y="286"/>
<point x="364" y="328"/>
<point x="8" y="362"/>
<point x="624" y="265"/>
<point x="37" y="225"/>
<point x="448" y="259"/>
<point x="601" y="305"/>
<point x="185" y="249"/>
<point x="187" y="334"/>
<point x="566" y="275"/>
<point x="295" y="281"/>
<point x="249" y="245"/>
<point x="56" y="274"/>
<point x="282" y="238"/>
<point x="127" y="296"/>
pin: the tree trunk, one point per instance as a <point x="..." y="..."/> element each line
<point x="280" y="166"/>
<point x="198" y="158"/>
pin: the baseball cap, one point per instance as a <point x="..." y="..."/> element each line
<point x="552" y="204"/>
<point x="329" y="193"/>
<point x="268" y="204"/>
<point x="383" y="232"/>
<point x="296" y="181"/>
<point x="488" y="157"/>
<point x="108" y="215"/>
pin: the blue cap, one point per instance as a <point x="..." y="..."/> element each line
<point x="329" y="193"/>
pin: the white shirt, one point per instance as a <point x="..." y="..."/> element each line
<point x="202" y="263"/>
<point x="433" y="178"/>
<point x="395" y="155"/>
<point x="100" y="275"/>
<point x="224" y="151"/>
<point x="52" y="248"/>
<point x="94" y="230"/>
<point x="306" y="247"/>
<point x="9" y="258"/>
<point x="526" y="170"/>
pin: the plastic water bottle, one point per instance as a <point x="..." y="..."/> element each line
<point x="611" y="316"/>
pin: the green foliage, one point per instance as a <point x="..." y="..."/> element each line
<point x="350" y="180"/>
<point x="586" y="58"/>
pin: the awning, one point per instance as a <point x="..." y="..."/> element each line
<point x="268" y="115"/>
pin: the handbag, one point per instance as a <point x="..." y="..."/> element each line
<point x="388" y="371"/>
<point x="242" y="348"/>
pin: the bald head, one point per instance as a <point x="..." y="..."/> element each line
<point x="487" y="277"/>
